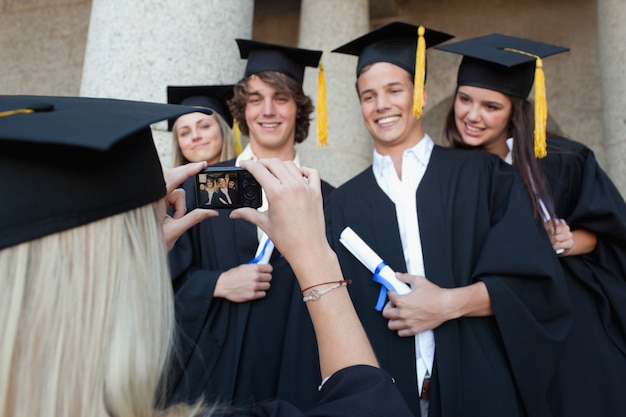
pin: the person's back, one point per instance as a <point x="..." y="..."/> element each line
<point x="87" y="316"/>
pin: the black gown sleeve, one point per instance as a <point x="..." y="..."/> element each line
<point x="359" y="390"/>
<point x="586" y="198"/>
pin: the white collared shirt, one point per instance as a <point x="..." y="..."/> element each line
<point x="509" y="156"/>
<point x="403" y="194"/>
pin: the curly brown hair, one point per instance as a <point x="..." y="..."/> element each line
<point x="283" y="84"/>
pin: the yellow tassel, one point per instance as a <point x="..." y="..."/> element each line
<point x="237" y="138"/>
<point x="541" y="111"/>
<point x="322" y="112"/>
<point x="541" y="104"/>
<point x="420" y="72"/>
<point x="18" y="111"/>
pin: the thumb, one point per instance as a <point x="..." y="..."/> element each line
<point x="405" y="277"/>
<point x="174" y="228"/>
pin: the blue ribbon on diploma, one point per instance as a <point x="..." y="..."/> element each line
<point x="264" y="251"/>
<point x="383" y="274"/>
<point x="382" y="295"/>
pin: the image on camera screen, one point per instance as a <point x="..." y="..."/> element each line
<point x="227" y="189"/>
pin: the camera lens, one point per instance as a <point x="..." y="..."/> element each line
<point x="249" y="193"/>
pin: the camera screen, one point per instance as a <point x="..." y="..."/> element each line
<point x="227" y="189"/>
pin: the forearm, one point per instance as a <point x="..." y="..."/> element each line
<point x="584" y="242"/>
<point x="469" y="301"/>
<point x="342" y="342"/>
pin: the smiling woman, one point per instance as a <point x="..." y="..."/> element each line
<point x="482" y="117"/>
<point x="583" y="212"/>
<point x="197" y="136"/>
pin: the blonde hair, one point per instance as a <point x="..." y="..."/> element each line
<point x="228" y="147"/>
<point x="87" y="320"/>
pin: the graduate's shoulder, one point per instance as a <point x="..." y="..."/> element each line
<point x="464" y="158"/>
<point x="327" y="188"/>
<point x="565" y="152"/>
<point x="562" y="145"/>
<point x="356" y="183"/>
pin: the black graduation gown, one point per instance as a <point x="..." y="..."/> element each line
<point x="238" y="352"/>
<point x="476" y="223"/>
<point x="592" y="372"/>
<point x="355" y="391"/>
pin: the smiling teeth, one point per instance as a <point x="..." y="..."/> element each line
<point x="472" y="128"/>
<point x="387" y="120"/>
<point x="269" y="125"/>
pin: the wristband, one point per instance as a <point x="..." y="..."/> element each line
<point x="315" y="295"/>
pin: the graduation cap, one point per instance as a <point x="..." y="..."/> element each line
<point x="398" y="43"/>
<point x="509" y="65"/>
<point x="214" y="97"/>
<point x="68" y="161"/>
<point x="291" y="61"/>
<point x="263" y="56"/>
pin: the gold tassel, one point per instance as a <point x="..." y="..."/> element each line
<point x="322" y="111"/>
<point x="541" y="111"/>
<point x="541" y="104"/>
<point x="18" y="111"/>
<point x="420" y="72"/>
<point x="237" y="138"/>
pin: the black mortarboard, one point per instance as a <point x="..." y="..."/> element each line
<point x="263" y="56"/>
<point x="509" y="65"/>
<point x="398" y="43"/>
<point x="395" y="42"/>
<point x="500" y="62"/>
<point x="288" y="60"/>
<point x="213" y="97"/>
<point x="68" y="161"/>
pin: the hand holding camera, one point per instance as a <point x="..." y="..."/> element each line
<point x="227" y="188"/>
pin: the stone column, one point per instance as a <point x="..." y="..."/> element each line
<point x="612" y="32"/>
<point x="325" y="25"/>
<point x="135" y="49"/>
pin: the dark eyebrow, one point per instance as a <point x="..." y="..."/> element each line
<point x="394" y="83"/>
<point x="390" y="84"/>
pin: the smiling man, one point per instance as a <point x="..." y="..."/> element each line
<point x="477" y="335"/>
<point x="245" y="333"/>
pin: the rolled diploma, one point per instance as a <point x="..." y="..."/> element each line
<point x="263" y="251"/>
<point x="372" y="261"/>
<point x="546" y="217"/>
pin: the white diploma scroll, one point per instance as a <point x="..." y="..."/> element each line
<point x="264" y="251"/>
<point x="546" y="216"/>
<point x="372" y="261"/>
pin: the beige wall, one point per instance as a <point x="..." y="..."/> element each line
<point x="42" y="45"/>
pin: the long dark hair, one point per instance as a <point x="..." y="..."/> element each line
<point x="521" y="127"/>
<point x="283" y="84"/>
